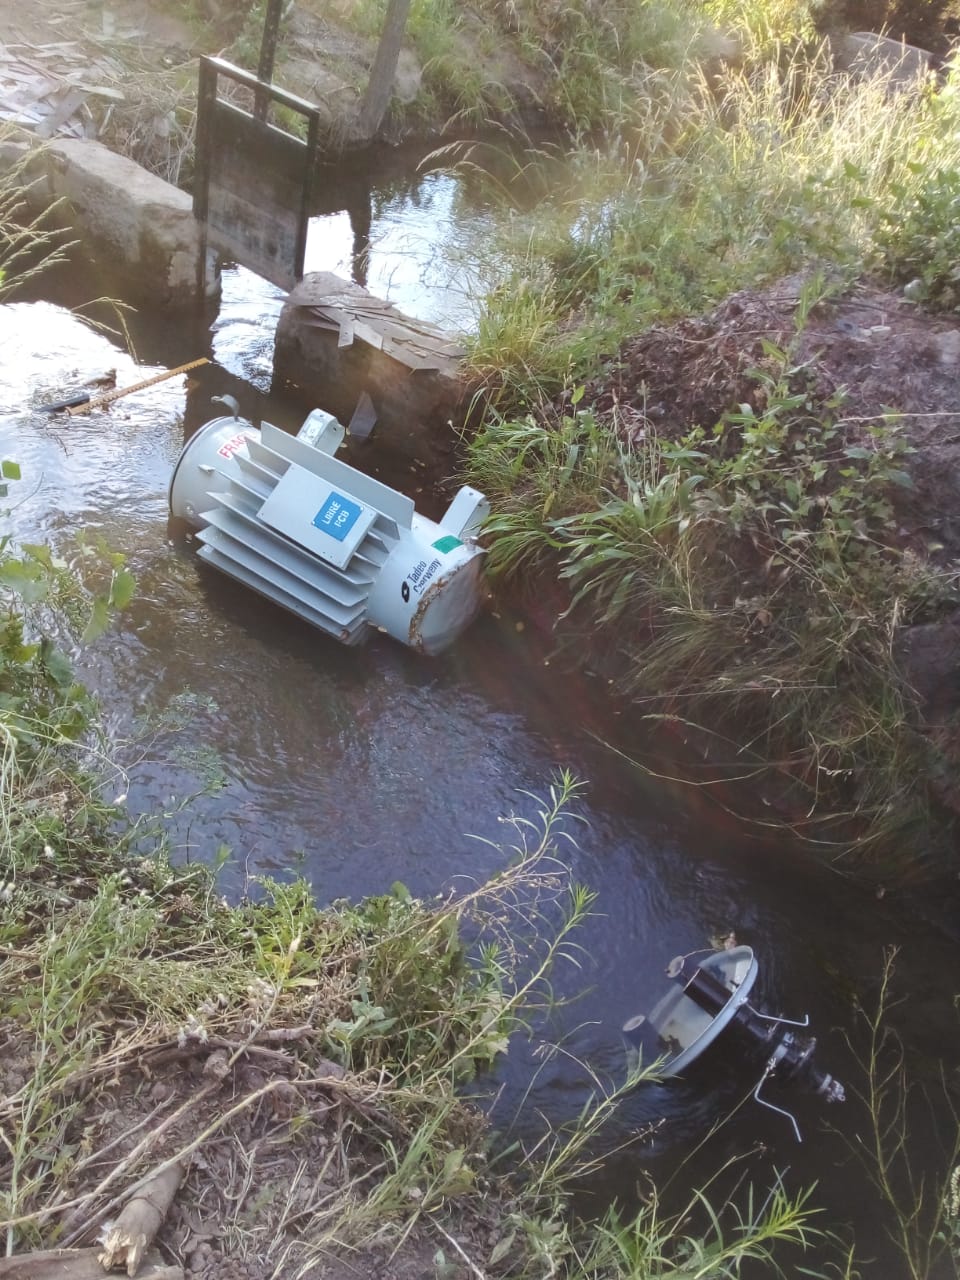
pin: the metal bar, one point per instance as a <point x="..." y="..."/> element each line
<point x="787" y="1022"/>
<point x="306" y="192"/>
<point x="268" y="53"/>
<point x="248" y="78"/>
<point x="771" y="1065"/>
<point x="206" y="99"/>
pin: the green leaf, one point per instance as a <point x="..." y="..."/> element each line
<point x="122" y="588"/>
<point x="10" y="470"/>
<point x="502" y="1248"/>
<point x="37" y="551"/>
<point x="99" y="620"/>
<point x="24" y="579"/>
<point x="58" y="667"/>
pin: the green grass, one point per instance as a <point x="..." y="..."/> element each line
<point x="739" y="578"/>
<point x="782" y="168"/>
<point x="715" y="190"/>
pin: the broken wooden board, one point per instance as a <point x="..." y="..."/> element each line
<point x="398" y="380"/>
<point x="44" y="88"/>
<point x="326" y="302"/>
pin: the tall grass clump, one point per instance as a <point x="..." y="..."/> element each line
<point x="30" y="242"/>
<point x="921" y="1202"/>
<point x="763" y="27"/>
<point x="722" y="187"/>
<point x="580" y="64"/>
<point x="739" y="578"/>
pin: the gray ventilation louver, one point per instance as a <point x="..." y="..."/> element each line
<point x="282" y="515"/>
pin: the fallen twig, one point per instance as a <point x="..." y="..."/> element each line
<point x="450" y="1240"/>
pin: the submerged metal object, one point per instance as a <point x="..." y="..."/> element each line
<point x="712" y="995"/>
<point x="282" y="515"/>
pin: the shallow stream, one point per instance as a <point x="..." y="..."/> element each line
<point x="364" y="767"/>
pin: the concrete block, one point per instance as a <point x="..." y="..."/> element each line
<point x="864" y="53"/>
<point x="124" y="214"/>
<point x="336" y="341"/>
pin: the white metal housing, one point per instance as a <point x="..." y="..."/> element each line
<point x="282" y="515"/>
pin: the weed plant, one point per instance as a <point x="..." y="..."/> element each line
<point x="922" y="1204"/>
<point x="918" y="241"/>
<point x="29" y="243"/>
<point x="585" y="61"/>
<point x="764" y="27"/>
<point x="741" y="572"/>
<point x="739" y="578"/>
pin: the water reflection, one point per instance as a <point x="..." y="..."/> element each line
<point x="418" y="248"/>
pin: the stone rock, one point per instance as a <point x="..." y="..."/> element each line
<point x="135" y="221"/>
<point x="864" y="53"/>
<point x="336" y="341"/>
<point x="929" y="657"/>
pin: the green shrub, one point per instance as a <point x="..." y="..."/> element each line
<point x="918" y="240"/>
<point x="738" y="576"/>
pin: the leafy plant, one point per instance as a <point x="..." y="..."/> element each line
<point x="737" y="576"/>
<point x="922" y="1204"/>
<point x="918" y="240"/>
<point x="42" y="603"/>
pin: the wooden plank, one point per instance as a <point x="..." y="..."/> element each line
<point x="414" y="344"/>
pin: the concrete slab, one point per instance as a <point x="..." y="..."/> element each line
<point x="134" y="219"/>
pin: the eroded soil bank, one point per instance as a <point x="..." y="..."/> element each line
<point x="881" y="357"/>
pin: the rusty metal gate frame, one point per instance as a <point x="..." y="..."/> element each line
<point x="209" y="105"/>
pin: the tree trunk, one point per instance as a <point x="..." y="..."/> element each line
<point x="380" y="87"/>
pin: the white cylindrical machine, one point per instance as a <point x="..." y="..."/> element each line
<point x="282" y="515"/>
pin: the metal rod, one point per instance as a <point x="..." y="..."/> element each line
<point x="764" y="1103"/>
<point x="306" y="193"/>
<point x="108" y="397"/>
<point x="787" y="1022"/>
<point x="206" y="106"/>
<point x="224" y="68"/>
<point x="268" y="52"/>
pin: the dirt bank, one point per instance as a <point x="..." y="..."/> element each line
<point x="880" y="358"/>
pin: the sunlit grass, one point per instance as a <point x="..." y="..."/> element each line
<point x="723" y="187"/>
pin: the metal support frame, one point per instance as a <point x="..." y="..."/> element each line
<point x="265" y="93"/>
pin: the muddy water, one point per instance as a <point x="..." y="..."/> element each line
<point x="364" y="767"/>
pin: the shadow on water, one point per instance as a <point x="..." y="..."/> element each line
<point x="364" y="767"/>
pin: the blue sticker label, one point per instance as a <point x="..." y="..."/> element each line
<point x="337" y="516"/>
